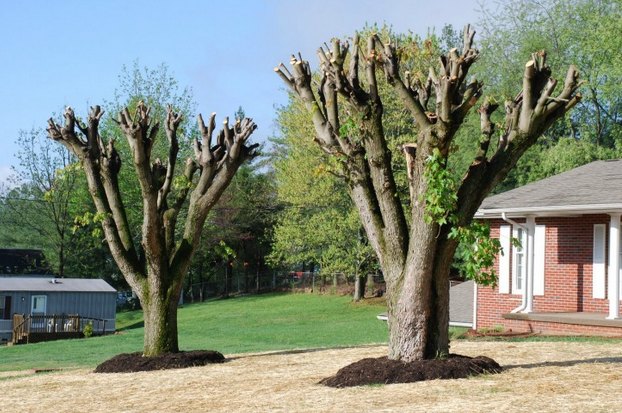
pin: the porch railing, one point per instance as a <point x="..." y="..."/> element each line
<point x="24" y="325"/>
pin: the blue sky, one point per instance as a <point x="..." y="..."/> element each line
<point x="58" y="53"/>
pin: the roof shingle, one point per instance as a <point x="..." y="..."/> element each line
<point x="596" y="184"/>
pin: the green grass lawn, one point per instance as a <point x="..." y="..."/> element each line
<point x="237" y="325"/>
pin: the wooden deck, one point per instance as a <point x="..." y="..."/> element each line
<point x="37" y="328"/>
<point x="583" y="319"/>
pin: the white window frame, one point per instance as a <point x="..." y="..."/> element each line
<point x="519" y="252"/>
<point x="33" y="299"/>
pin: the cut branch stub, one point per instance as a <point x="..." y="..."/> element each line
<point x="534" y="109"/>
<point x="487" y="128"/>
<point x="299" y="81"/>
<point x="231" y="142"/>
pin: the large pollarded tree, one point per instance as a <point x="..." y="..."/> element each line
<point x="415" y="244"/>
<point x="155" y="269"/>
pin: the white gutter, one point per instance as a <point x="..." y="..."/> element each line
<point x="527" y="300"/>
<point x="552" y="210"/>
<point x="531" y="231"/>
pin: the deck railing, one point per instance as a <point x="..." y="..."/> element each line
<point x="25" y="325"/>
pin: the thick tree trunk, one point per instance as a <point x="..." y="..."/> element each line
<point x="160" y="302"/>
<point x="419" y="316"/>
<point x="160" y="317"/>
<point x="417" y="321"/>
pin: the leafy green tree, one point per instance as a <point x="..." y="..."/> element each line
<point x="578" y="32"/>
<point x="415" y="239"/>
<point x="156" y="88"/>
<point x="318" y="223"/>
<point x="38" y="211"/>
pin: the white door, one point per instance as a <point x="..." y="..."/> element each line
<point x="39" y="304"/>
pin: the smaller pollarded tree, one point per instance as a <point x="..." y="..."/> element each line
<point x="155" y="269"/>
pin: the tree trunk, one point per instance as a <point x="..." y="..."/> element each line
<point x="359" y="287"/>
<point x="412" y="292"/>
<point x="61" y="259"/>
<point x="160" y="315"/>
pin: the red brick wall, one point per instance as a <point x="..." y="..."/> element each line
<point x="543" y="327"/>
<point x="567" y="277"/>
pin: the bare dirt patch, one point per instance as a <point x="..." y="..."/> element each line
<point x="133" y="362"/>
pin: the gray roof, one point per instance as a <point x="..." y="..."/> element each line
<point x="592" y="188"/>
<point x="50" y="284"/>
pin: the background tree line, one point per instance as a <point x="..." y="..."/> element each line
<point x="290" y="209"/>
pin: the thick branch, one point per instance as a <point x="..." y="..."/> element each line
<point x="527" y="118"/>
<point x="227" y="156"/>
<point x="300" y="83"/>
<point x="487" y="129"/>
<point x="172" y="123"/>
<point x="409" y="97"/>
<point x="114" y="222"/>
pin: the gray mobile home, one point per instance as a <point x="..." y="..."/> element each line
<point x="46" y="308"/>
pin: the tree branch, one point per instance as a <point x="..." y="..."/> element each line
<point x="87" y="152"/>
<point x="172" y="123"/>
<point x="527" y="117"/>
<point x="300" y="83"/>
<point x="487" y="128"/>
<point x="409" y="97"/>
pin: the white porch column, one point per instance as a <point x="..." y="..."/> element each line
<point x="613" y="285"/>
<point x="528" y="287"/>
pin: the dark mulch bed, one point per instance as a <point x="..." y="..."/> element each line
<point x="498" y="334"/>
<point x="132" y="362"/>
<point x="384" y="371"/>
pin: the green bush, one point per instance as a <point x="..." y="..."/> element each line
<point x="88" y="330"/>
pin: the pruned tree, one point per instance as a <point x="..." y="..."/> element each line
<point x="415" y="246"/>
<point x="155" y="269"/>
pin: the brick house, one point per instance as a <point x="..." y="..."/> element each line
<point x="564" y="277"/>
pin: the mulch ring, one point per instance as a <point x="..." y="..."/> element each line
<point x="133" y="362"/>
<point x="384" y="371"/>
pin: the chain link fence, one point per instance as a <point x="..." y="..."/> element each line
<point x="240" y="282"/>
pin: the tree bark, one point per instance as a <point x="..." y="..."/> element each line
<point x="359" y="287"/>
<point x="160" y="316"/>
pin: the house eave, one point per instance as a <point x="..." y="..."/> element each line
<point x="549" y="211"/>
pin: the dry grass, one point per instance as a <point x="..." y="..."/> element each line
<point x="543" y="377"/>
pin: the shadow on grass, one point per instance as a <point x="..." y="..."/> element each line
<point x="301" y="351"/>
<point x="567" y="363"/>
<point x="138" y="324"/>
